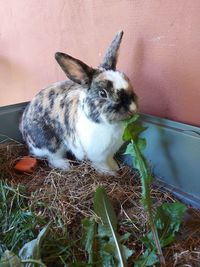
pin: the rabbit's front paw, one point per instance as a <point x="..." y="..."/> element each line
<point x="105" y="168"/>
<point x="59" y="163"/>
<point x="113" y="164"/>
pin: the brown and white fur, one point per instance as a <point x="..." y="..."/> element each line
<point x="82" y="115"/>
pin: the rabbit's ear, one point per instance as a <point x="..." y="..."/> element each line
<point x="110" y="58"/>
<point x="75" y="69"/>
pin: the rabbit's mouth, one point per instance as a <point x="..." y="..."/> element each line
<point x="122" y="110"/>
<point x="114" y="117"/>
<point x="130" y="113"/>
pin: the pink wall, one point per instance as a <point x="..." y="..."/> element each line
<point x="160" y="50"/>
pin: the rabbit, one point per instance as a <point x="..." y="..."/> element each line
<point x="83" y="115"/>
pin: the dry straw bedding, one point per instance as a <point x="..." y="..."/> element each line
<point x="68" y="195"/>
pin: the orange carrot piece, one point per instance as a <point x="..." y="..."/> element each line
<point x="26" y="164"/>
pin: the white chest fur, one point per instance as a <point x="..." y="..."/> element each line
<point x="98" y="141"/>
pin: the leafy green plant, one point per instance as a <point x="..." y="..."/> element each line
<point x="101" y="240"/>
<point x="89" y="239"/>
<point x="168" y="217"/>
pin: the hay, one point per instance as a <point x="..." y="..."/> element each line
<point x="65" y="197"/>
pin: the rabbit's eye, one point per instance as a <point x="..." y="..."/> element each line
<point x="103" y="93"/>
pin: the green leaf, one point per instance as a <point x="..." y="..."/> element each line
<point x="9" y="259"/>
<point x="168" y="219"/>
<point x="141" y="143"/>
<point x="148" y="241"/>
<point x="127" y="252"/>
<point x="109" y="247"/>
<point x="130" y="150"/>
<point x="140" y="163"/>
<point x="32" y="249"/>
<point x="137" y="162"/>
<point x="132" y="131"/>
<point x="127" y="135"/>
<point x="131" y="119"/>
<point x="147" y="259"/>
<point x="124" y="238"/>
<point x="103" y="208"/>
<point x="107" y="259"/>
<point x="89" y="238"/>
<point x="135" y="148"/>
<point x="103" y="232"/>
